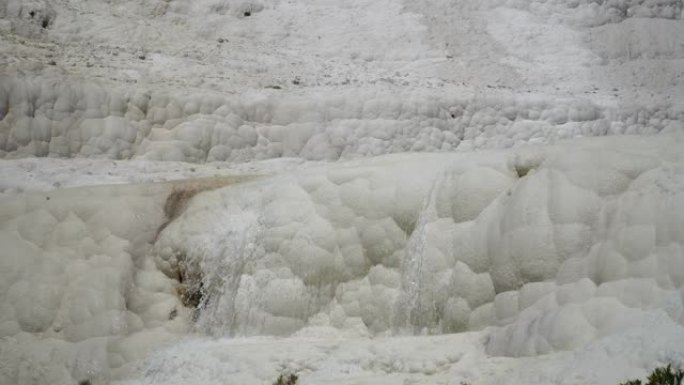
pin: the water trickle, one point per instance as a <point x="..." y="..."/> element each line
<point x="224" y="306"/>
<point x="414" y="313"/>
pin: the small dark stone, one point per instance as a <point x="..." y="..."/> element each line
<point x="247" y="14"/>
<point x="52" y="63"/>
<point x="84" y="382"/>
<point x="47" y="198"/>
<point x="32" y="13"/>
<point x="45" y="23"/>
<point x="296" y="81"/>
<point x="173" y="314"/>
<point x="221" y="40"/>
<point x="142" y="57"/>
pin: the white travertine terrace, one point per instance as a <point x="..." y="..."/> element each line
<point x="556" y="246"/>
<point x="375" y="191"/>
<point x="47" y="117"/>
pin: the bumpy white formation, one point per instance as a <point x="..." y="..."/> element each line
<point x="554" y="245"/>
<point x="42" y="117"/>
<point x="561" y="246"/>
<point x="74" y="282"/>
<point x="575" y="246"/>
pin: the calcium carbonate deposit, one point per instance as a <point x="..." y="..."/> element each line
<point x="350" y="192"/>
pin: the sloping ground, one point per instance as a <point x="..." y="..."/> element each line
<point x="617" y="51"/>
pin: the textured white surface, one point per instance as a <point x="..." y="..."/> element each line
<point x="44" y="117"/>
<point x="540" y="258"/>
<point x="440" y="241"/>
<point x="585" y="245"/>
<point x="447" y="359"/>
<point x="73" y="278"/>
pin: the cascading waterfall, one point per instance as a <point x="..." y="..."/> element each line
<point x="413" y="311"/>
<point x="223" y="309"/>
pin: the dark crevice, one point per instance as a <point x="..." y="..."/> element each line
<point x="522" y="170"/>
